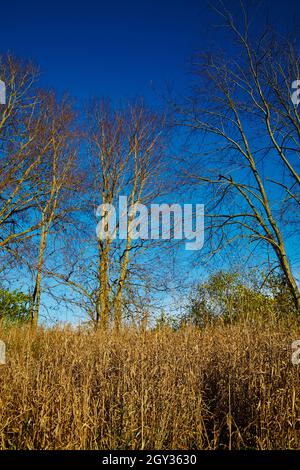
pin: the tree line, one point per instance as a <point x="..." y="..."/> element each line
<point x="240" y="150"/>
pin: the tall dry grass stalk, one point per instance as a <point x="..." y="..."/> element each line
<point x="223" y="387"/>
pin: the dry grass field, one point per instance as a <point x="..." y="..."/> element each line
<point x="225" y="387"/>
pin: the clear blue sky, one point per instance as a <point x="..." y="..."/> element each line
<point x="113" y="48"/>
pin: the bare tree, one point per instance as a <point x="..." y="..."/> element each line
<point x="37" y="170"/>
<point x="21" y="120"/>
<point x="55" y="182"/>
<point x="126" y="148"/>
<point x="245" y="133"/>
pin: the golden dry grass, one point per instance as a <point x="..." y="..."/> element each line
<point x="231" y="387"/>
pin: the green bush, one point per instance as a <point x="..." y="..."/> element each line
<point x="14" y="307"/>
<point x="229" y="297"/>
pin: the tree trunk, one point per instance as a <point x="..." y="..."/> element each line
<point x="285" y="266"/>
<point x="122" y="278"/>
<point x="102" y="305"/>
<point x="36" y="297"/>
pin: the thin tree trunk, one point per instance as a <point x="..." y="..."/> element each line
<point x="36" y="297"/>
<point x="118" y="297"/>
<point x="292" y="285"/>
<point x="102" y="305"/>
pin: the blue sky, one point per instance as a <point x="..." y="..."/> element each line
<point x="115" y="48"/>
